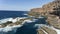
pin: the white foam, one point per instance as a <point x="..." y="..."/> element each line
<point x="25" y="14"/>
<point x="14" y="27"/>
<point x="11" y="19"/>
<point x="5" y="20"/>
<point x="40" y="17"/>
<point x="10" y="28"/>
<point x="29" y="21"/>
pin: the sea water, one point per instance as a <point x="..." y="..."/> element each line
<point x="27" y="28"/>
<point x="13" y="14"/>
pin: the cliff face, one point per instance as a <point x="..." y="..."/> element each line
<point x="40" y="10"/>
<point x="52" y="12"/>
<point x="47" y="8"/>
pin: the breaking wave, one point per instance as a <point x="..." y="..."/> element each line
<point x="10" y="29"/>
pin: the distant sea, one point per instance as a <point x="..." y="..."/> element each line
<point x="13" y="14"/>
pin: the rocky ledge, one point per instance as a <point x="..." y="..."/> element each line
<point x="46" y="30"/>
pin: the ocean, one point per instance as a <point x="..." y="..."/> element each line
<point x="13" y="14"/>
<point x="28" y="28"/>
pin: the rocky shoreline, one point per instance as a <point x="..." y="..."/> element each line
<point x="52" y="12"/>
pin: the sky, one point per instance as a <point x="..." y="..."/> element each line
<point x="22" y="5"/>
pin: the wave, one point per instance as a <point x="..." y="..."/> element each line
<point x="25" y="14"/>
<point x="10" y="28"/>
<point x="11" y="19"/>
<point x="14" y="27"/>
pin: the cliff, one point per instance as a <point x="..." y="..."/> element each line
<point x="52" y="12"/>
<point x="48" y="8"/>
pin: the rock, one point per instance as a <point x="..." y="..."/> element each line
<point x="46" y="30"/>
<point x="51" y="11"/>
<point x="47" y="8"/>
<point x="54" y="21"/>
<point x="40" y="31"/>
